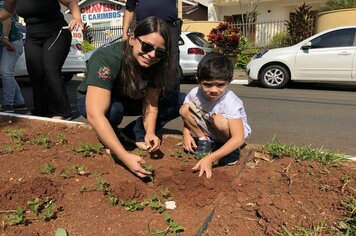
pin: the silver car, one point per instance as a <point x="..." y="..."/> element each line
<point x="193" y="47"/>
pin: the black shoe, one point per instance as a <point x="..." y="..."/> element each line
<point x="20" y="107"/>
<point x="7" y="108"/>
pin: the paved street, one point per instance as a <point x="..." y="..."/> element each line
<point x="321" y="115"/>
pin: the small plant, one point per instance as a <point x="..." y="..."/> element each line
<point x="71" y="171"/>
<point x="103" y="186"/>
<point x="113" y="199"/>
<point x="156" y="204"/>
<point x="132" y="205"/>
<point x="42" y="140"/>
<point x="173" y="227"/>
<point x="165" y="192"/>
<point x="88" y="149"/>
<point x="46" y="169"/>
<point x="7" y="149"/>
<point x="348" y="225"/>
<point x="150" y="169"/>
<point x="17" y="218"/>
<point x="15" y="134"/>
<point x="278" y="150"/>
<point x="60" y="139"/>
<point x="43" y="208"/>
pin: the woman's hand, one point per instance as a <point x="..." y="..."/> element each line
<point x="135" y="163"/>
<point x="8" y="45"/>
<point x="204" y="165"/>
<point x="189" y="143"/>
<point x="152" y="142"/>
<point x="75" y="24"/>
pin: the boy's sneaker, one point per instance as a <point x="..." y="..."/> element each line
<point x="230" y="159"/>
<point x="7" y="108"/>
<point x="204" y="148"/>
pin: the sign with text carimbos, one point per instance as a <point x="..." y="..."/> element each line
<point x="100" y="11"/>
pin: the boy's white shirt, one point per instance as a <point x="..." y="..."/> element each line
<point x="229" y="105"/>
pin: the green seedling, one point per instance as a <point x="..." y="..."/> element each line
<point x="96" y="174"/>
<point x="113" y="199"/>
<point x="132" y="205"/>
<point x="46" y="169"/>
<point x="200" y="156"/>
<point x="166" y="193"/>
<point x="103" y="186"/>
<point x="42" y="140"/>
<point x="156" y="204"/>
<point x="71" y="171"/>
<point x="7" y="149"/>
<point x="88" y="149"/>
<point x="138" y="152"/>
<point x="152" y="176"/>
<point x="17" y="218"/>
<point x="60" y="139"/>
<point x="83" y="189"/>
<point x="15" y="134"/>
<point x="348" y="225"/>
<point x="179" y="153"/>
<point x="43" y="208"/>
<point x="173" y="227"/>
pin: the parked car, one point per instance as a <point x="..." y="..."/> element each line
<point x="327" y="56"/>
<point x="74" y="63"/>
<point x="192" y="47"/>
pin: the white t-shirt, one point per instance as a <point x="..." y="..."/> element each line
<point x="229" y="105"/>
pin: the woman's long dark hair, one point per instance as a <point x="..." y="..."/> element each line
<point x="132" y="72"/>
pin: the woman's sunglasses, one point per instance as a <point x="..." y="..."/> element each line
<point x="147" y="47"/>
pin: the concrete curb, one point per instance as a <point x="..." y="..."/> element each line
<point x="30" y="117"/>
<point x="239" y="81"/>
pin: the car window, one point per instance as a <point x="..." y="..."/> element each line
<point x="337" y="38"/>
<point x="198" y="39"/>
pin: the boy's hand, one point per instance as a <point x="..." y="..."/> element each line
<point x="204" y="165"/>
<point x="189" y="143"/>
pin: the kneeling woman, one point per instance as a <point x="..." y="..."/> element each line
<point x="126" y="78"/>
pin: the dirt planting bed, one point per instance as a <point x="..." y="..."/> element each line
<point x="61" y="178"/>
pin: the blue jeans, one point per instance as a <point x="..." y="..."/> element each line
<point x="11" y="91"/>
<point x="168" y="109"/>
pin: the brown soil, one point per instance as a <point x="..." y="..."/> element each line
<point x="258" y="196"/>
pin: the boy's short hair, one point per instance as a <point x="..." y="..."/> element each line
<point x="215" y="66"/>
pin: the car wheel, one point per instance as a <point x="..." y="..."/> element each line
<point x="67" y="76"/>
<point x="274" y="76"/>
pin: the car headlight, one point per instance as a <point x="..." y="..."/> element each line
<point x="260" y="54"/>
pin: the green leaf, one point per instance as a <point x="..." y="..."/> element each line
<point x="61" y="232"/>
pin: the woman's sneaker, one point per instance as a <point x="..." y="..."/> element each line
<point x="7" y="108"/>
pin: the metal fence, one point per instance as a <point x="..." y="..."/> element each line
<point x="261" y="33"/>
<point x="102" y="35"/>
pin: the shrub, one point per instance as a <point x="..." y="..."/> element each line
<point x="301" y="24"/>
<point x="245" y="52"/>
<point x="279" y="40"/>
<point x="225" y="37"/>
<point x="338" y="4"/>
<point x="87" y="46"/>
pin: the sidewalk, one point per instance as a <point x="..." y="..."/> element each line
<point x="240" y="77"/>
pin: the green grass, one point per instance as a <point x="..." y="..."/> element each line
<point x="278" y="150"/>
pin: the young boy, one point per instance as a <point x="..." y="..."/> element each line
<point x="215" y="115"/>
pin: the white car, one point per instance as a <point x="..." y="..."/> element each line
<point x="74" y="63"/>
<point x="192" y="48"/>
<point x="327" y="56"/>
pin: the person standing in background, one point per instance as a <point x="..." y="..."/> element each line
<point x="11" y="49"/>
<point x="167" y="11"/>
<point x="48" y="40"/>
